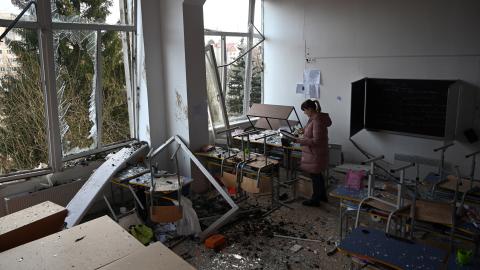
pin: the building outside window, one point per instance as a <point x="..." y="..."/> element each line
<point x="228" y="28"/>
<point x="86" y="104"/>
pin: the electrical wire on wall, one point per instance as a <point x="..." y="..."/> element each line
<point x="247" y="51"/>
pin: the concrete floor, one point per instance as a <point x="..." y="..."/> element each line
<point x="251" y="243"/>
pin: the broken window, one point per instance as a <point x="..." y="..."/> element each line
<point x="238" y="51"/>
<point x="90" y="78"/>
<point x="100" y="11"/>
<point x="76" y="71"/>
<point x="23" y="135"/>
<point x="116" y="88"/>
<point x="95" y="85"/>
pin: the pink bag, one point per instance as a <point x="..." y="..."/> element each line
<point x="353" y="179"/>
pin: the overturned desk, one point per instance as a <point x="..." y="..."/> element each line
<point x="255" y="168"/>
<point x="253" y="174"/>
<point x="168" y="186"/>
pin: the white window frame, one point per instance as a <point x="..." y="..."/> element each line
<point x="250" y="35"/>
<point x="45" y="27"/>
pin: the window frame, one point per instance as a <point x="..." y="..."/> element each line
<point x="45" y="27"/>
<point x="249" y="36"/>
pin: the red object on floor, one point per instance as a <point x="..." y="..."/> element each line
<point x="232" y="190"/>
<point x="216" y="241"/>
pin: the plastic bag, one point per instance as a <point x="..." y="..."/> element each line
<point x="353" y="179"/>
<point x="189" y="224"/>
<point x="165" y="231"/>
<point x="142" y="233"/>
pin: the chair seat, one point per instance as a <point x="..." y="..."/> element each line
<point x="451" y="183"/>
<point x="379" y="205"/>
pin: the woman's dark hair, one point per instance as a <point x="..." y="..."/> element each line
<point x="311" y="104"/>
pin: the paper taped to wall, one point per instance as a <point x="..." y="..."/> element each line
<point x="311" y="83"/>
<point x="300" y="89"/>
<point x="311" y="76"/>
<point x="314" y="91"/>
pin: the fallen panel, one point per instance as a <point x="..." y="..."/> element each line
<point x="85" y="197"/>
<point x="30" y="224"/>
<point x="90" y="245"/>
<point x="154" y="256"/>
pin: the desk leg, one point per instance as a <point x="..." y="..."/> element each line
<point x="274" y="187"/>
<point x="294" y="172"/>
<point x="341" y="219"/>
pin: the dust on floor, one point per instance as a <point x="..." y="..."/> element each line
<point x="252" y="244"/>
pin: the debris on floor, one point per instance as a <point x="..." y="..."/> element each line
<point x="216" y="242"/>
<point x="252" y="240"/>
<point x="295" y="248"/>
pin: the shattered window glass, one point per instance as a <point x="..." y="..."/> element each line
<point x="75" y="70"/>
<point x="116" y="85"/>
<point x="87" y="11"/>
<point x="23" y="135"/>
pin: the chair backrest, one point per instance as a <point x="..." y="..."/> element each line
<point x="435" y="211"/>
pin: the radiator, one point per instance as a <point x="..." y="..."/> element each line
<point x="60" y="195"/>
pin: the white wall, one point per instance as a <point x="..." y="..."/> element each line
<point x="175" y="76"/>
<point x="142" y="95"/>
<point x="349" y="40"/>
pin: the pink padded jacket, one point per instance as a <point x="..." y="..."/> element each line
<point x="315" y="144"/>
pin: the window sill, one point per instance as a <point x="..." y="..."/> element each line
<point x="235" y="123"/>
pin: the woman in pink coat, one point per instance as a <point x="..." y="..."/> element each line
<point x="315" y="149"/>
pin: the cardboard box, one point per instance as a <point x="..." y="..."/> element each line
<point x="304" y="187"/>
<point x="252" y="186"/>
<point x="90" y="245"/>
<point x="167" y="213"/>
<point x="31" y="224"/>
<point x="153" y="257"/>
